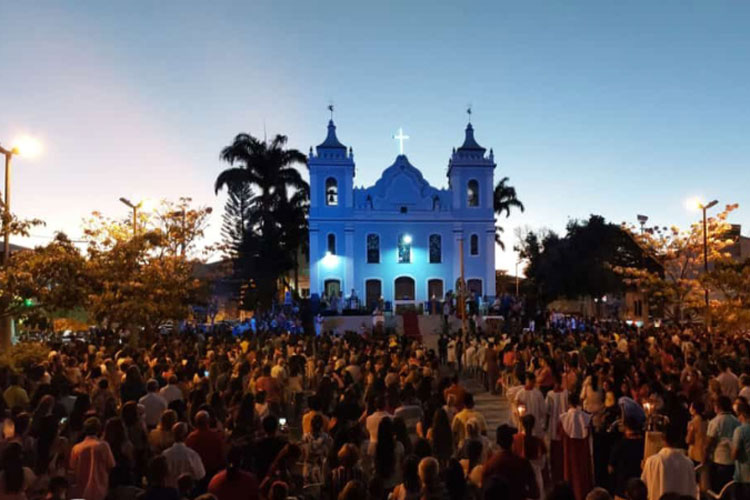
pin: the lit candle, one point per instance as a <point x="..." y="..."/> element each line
<point x="521" y="410"/>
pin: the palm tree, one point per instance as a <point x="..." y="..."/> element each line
<point x="292" y="219"/>
<point x="265" y="166"/>
<point x="504" y="199"/>
<point x="269" y="170"/>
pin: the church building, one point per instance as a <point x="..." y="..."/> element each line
<point x="401" y="238"/>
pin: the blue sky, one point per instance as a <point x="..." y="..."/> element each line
<point x="615" y="108"/>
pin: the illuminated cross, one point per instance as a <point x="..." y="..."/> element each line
<point x="401" y="138"/>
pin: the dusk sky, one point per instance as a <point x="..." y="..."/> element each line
<point x="614" y="108"/>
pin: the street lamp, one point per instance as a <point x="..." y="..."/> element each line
<point x="28" y="147"/>
<point x="704" y="207"/>
<point x="134" y="207"/>
<point x="24" y="146"/>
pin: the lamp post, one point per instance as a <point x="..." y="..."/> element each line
<point x="6" y="212"/>
<point x="25" y="146"/>
<point x="704" y="207"/>
<point x="135" y="208"/>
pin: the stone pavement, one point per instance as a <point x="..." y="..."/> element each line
<point x="495" y="408"/>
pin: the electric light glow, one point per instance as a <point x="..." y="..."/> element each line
<point x="330" y="260"/>
<point x="27" y="146"/>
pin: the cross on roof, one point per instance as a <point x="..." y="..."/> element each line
<point x="401" y="138"/>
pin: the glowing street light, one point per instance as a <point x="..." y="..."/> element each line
<point x="24" y="146"/>
<point x="407" y="239"/>
<point x="27" y="147"/>
<point x="703" y="206"/>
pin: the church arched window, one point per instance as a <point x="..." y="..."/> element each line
<point x="436" y="249"/>
<point x="373" y="249"/>
<point x="404" y="249"/>
<point x="472" y="193"/>
<point x="331" y="244"/>
<point x="332" y="192"/>
<point x="474" y="244"/>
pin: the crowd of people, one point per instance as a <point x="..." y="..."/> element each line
<point x="598" y="411"/>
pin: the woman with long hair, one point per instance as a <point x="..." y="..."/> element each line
<point x="388" y="455"/>
<point x="455" y="481"/>
<point x="402" y="434"/>
<point x="245" y="422"/>
<point x="74" y="426"/>
<point x="133" y="387"/>
<point x="123" y="452"/>
<point x="42" y="410"/>
<point x="15" y="479"/>
<point x="441" y="437"/>
<point x="136" y="433"/>
<point x="51" y="449"/>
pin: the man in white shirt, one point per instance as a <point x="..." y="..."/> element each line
<point x="670" y="470"/>
<point x="373" y="420"/>
<point x="181" y="459"/>
<point x="171" y="391"/>
<point x="719" y="446"/>
<point x="153" y="404"/>
<point x="728" y="381"/>
<point x="529" y="401"/>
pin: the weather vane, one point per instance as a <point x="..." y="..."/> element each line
<point x="468" y="112"/>
<point x="330" y="108"/>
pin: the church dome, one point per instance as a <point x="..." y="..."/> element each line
<point x="470" y="144"/>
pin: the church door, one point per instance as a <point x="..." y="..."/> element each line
<point x="332" y="287"/>
<point x="435" y="289"/>
<point x="373" y="292"/>
<point x="404" y="289"/>
<point x="474" y="285"/>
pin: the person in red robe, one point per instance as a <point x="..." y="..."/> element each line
<point x="575" y="431"/>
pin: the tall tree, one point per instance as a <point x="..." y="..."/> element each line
<point x="236" y="218"/>
<point x="292" y="214"/>
<point x="42" y="281"/>
<point x="268" y="168"/>
<point x="677" y="287"/>
<point x="504" y="199"/>
<point x="582" y="263"/>
<point x="16" y="227"/>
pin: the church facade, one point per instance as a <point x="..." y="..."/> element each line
<point x="401" y="238"/>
